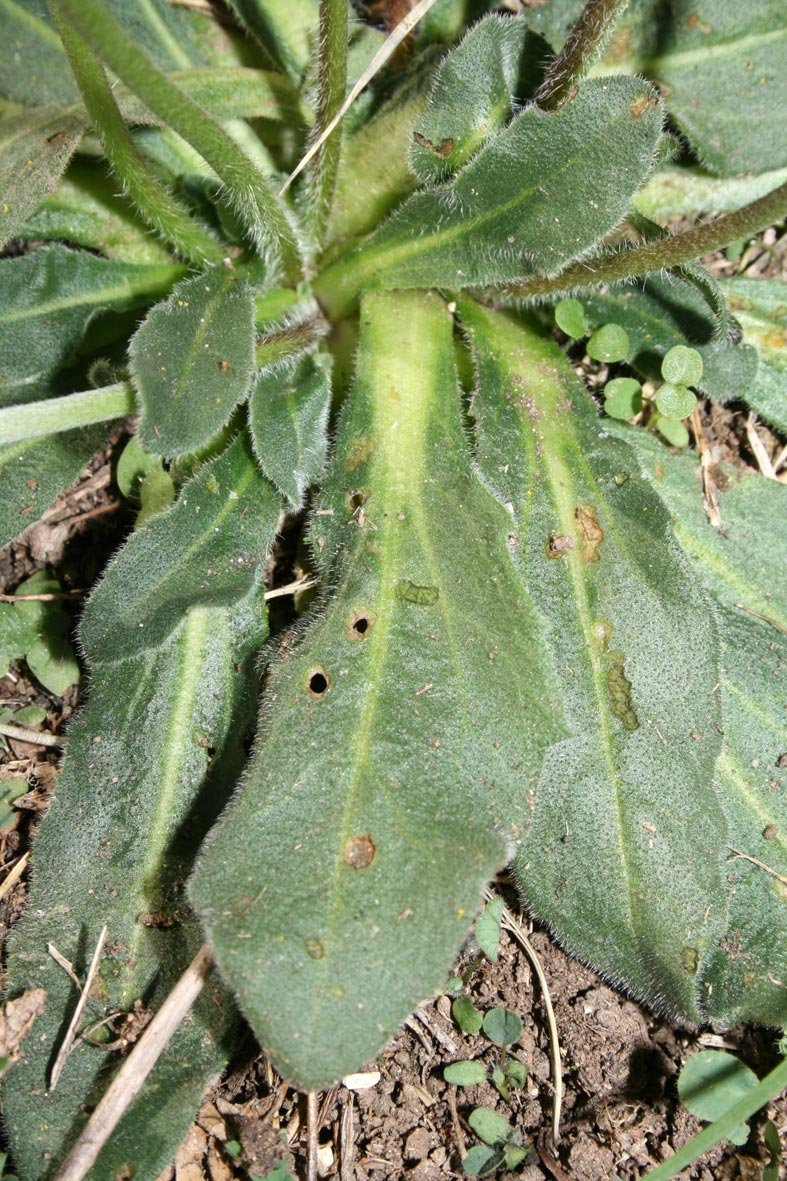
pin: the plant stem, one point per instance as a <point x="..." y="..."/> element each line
<point x="330" y="96"/>
<point x="583" y="45"/>
<point x="672" y="251"/>
<point x="159" y="209"/>
<point x="262" y="213"/>
<point x="36" y="419"/>
<point x="767" y="1089"/>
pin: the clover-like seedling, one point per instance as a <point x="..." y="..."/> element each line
<point x="675" y="401"/>
<point x="682" y="366"/>
<point x="609" y="343"/>
<point x="502" y="1144"/>
<point x="623" y="397"/>
<point x="711" y="1082"/>
<point x="570" y="318"/>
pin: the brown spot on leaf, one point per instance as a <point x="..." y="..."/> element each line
<point x="359" y="852"/>
<point x="558" y="544"/>
<point x="590" y="532"/>
<point x="443" y="149"/>
<point x="643" y="104"/>
<point x="360" y="452"/>
<point x="314" y="948"/>
<point x="318" y="682"/>
<point x="620" y="702"/>
<point x="771" y="832"/>
<point x="16" y="1021"/>
<point x="157" y="919"/>
<point x="689" y="959"/>
<point x="360" y="625"/>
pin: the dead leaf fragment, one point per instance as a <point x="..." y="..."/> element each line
<point x="16" y="1021"/>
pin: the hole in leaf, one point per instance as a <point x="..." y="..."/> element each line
<point x="360" y="625"/>
<point x="356" y="500"/>
<point x="358" y="852"/>
<point x="318" y="682"/>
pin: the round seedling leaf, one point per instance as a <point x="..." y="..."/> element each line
<point x="487" y="1123"/>
<point x="682" y="366"/>
<point x="711" y="1082"/>
<point x="623" y="397"/>
<point x="133" y="465"/>
<point x="466" y="1015"/>
<point x="673" y="430"/>
<point x="514" y="1155"/>
<point x="675" y="401"/>
<point x="502" y="1027"/>
<point x="570" y="318"/>
<point x="465" y="1073"/>
<point x="487" y="928"/>
<point x="610" y="342"/>
<point x="516" y="1072"/>
<point x="482" y="1161"/>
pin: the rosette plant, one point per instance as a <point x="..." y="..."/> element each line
<point x="538" y="638"/>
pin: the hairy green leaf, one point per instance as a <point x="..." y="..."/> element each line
<point x="621" y="853"/>
<point x="474" y="94"/>
<point x="34" y="471"/>
<point x="679" y="191"/>
<point x="721" y="69"/>
<point x="289" y="423"/>
<point x="26" y="35"/>
<point x="87" y="210"/>
<point x="542" y="192"/>
<point x="392" y="770"/>
<point x="201" y="551"/>
<point x="660" y="313"/>
<point x="760" y="305"/>
<point x="147" y="770"/>
<point x="288" y="31"/>
<point x="487" y="928"/>
<point x="489" y="1125"/>
<point x="742" y="566"/>
<point x="192" y="361"/>
<point x="228" y="92"/>
<point x="48" y="299"/>
<point x="465" y="1073"/>
<point x="711" y="1081"/>
<point x="35" y="148"/>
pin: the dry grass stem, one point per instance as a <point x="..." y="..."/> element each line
<point x="14" y="875"/>
<point x="63" y="963"/>
<point x="34" y="737"/>
<point x="129" y="1079"/>
<point x="759" y="449"/>
<point x="764" y="618"/>
<point x="780" y="877"/>
<point x="710" y="490"/>
<point x="70" y="1038"/>
<point x="386" y="51"/>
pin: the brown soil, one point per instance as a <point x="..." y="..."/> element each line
<point x="621" y="1114"/>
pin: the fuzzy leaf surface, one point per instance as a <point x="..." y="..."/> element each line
<point x="289" y="409"/>
<point x="35" y="148"/>
<point x="289" y="31"/>
<point x="721" y="69"/>
<point x="680" y="190"/>
<point x="400" y="736"/>
<point x="87" y="210"/>
<point x="660" y="313"/>
<point x="542" y="192"/>
<point x="192" y="361"/>
<point x="147" y="770"/>
<point x="742" y="567"/>
<point x="34" y="471"/>
<point x="200" y="551"/>
<point x="621" y="855"/>
<point x="48" y="299"/>
<point x="760" y="306"/>
<point x="27" y="37"/>
<point x="473" y="94"/>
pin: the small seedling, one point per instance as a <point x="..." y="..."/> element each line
<point x="623" y="397"/>
<point x="570" y="318"/>
<point x="502" y="1144"/>
<point x="37" y="631"/>
<point x="711" y="1082"/>
<point x="609" y="343"/>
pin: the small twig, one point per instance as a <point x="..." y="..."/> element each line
<point x="386" y="50"/>
<point x="347" y="1135"/>
<point x="461" y="1143"/>
<point x="311" y="1135"/>
<point x="67" y="1044"/>
<point x="780" y="877"/>
<point x="518" y="931"/>
<point x="129" y="1079"/>
<point x="759" y="449"/>
<point x="291" y="588"/>
<point x="65" y="964"/>
<point x="436" y="1030"/>
<point x="14" y="875"/>
<point x="23" y="734"/>
<point x="764" y="618"/>
<point x="42" y="598"/>
<point x="710" y="500"/>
